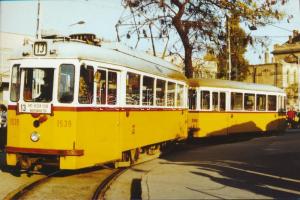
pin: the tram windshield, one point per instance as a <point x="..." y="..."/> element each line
<point x="38" y="85"/>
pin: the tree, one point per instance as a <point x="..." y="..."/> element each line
<point x="200" y="25"/>
<point x="238" y="46"/>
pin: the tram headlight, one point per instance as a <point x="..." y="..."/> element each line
<point x="34" y="136"/>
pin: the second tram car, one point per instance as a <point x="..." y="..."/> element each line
<point x="75" y="105"/>
<point x="222" y="107"/>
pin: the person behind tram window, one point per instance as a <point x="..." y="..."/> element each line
<point x="291" y="114"/>
<point x="3" y="129"/>
<point x="46" y="90"/>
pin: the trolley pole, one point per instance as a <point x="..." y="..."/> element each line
<point x="229" y="48"/>
<point x="38" y="32"/>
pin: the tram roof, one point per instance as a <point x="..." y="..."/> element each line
<point x="218" y="83"/>
<point x="117" y="54"/>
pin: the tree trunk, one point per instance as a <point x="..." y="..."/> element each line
<point x="188" y="64"/>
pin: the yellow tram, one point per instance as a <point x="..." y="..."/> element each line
<point x="76" y="104"/>
<point x="221" y="107"/>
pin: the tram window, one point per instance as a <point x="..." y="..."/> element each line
<point x="171" y="94"/>
<point x="179" y="95"/>
<point x="66" y="83"/>
<point x="261" y="102"/>
<point x="222" y="101"/>
<point x="192" y="99"/>
<point x="112" y="88"/>
<point x="148" y="89"/>
<point x="15" y="83"/>
<point x="133" y="89"/>
<point x="215" y="101"/>
<point x="249" y="101"/>
<point x="236" y="101"/>
<point x="100" y="79"/>
<point x="205" y="100"/>
<point x="160" y="92"/>
<point x="38" y="85"/>
<point x="272" y="102"/>
<point x="86" y="85"/>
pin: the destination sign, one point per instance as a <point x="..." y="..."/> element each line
<point x="43" y="108"/>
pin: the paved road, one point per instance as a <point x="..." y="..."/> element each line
<point x="241" y="168"/>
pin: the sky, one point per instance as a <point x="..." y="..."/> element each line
<point x="101" y="16"/>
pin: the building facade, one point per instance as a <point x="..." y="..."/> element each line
<point x="283" y="71"/>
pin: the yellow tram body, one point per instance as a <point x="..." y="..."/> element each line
<point x="212" y="119"/>
<point x="74" y="135"/>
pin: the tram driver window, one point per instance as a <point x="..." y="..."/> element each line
<point x="160" y="92"/>
<point x="133" y="89"/>
<point x="171" y="94"/>
<point x="249" y="102"/>
<point x="215" y="101"/>
<point x="66" y="83"/>
<point x="148" y="89"/>
<point x="272" y="102"/>
<point x="205" y="100"/>
<point x="15" y="83"/>
<point x="261" y="102"/>
<point x="38" y="85"/>
<point x="236" y="101"/>
<point x="86" y="84"/>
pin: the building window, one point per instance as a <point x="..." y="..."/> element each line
<point x="205" y="100"/>
<point x="160" y="92"/>
<point x="15" y="83"/>
<point x="66" y="83"/>
<point x="261" y="102"/>
<point x="249" y="102"/>
<point x="86" y="84"/>
<point x="236" y="101"/>
<point x="133" y="89"/>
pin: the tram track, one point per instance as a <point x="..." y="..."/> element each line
<point x="91" y="183"/>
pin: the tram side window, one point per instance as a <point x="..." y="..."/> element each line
<point x="112" y="88"/>
<point x="205" y="100"/>
<point x="180" y="95"/>
<point x="261" y="102"/>
<point x="272" y="102"/>
<point x="66" y="83"/>
<point x="192" y="99"/>
<point x="86" y="85"/>
<point x="100" y="79"/>
<point x="171" y="94"/>
<point x="236" y="101"/>
<point x="148" y="89"/>
<point x="222" y="101"/>
<point x="160" y="92"/>
<point x="215" y="101"/>
<point x="249" y="101"/>
<point x="15" y="83"/>
<point x="133" y="89"/>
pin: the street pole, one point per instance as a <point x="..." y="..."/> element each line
<point x="229" y="48"/>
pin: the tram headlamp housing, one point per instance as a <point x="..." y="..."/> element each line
<point x="34" y="136"/>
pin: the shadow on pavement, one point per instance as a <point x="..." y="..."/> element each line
<point x="267" y="165"/>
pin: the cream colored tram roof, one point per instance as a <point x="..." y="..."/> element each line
<point x="115" y="53"/>
<point x="218" y="83"/>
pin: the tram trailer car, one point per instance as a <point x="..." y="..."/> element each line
<point x="76" y="104"/>
<point x="222" y="107"/>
